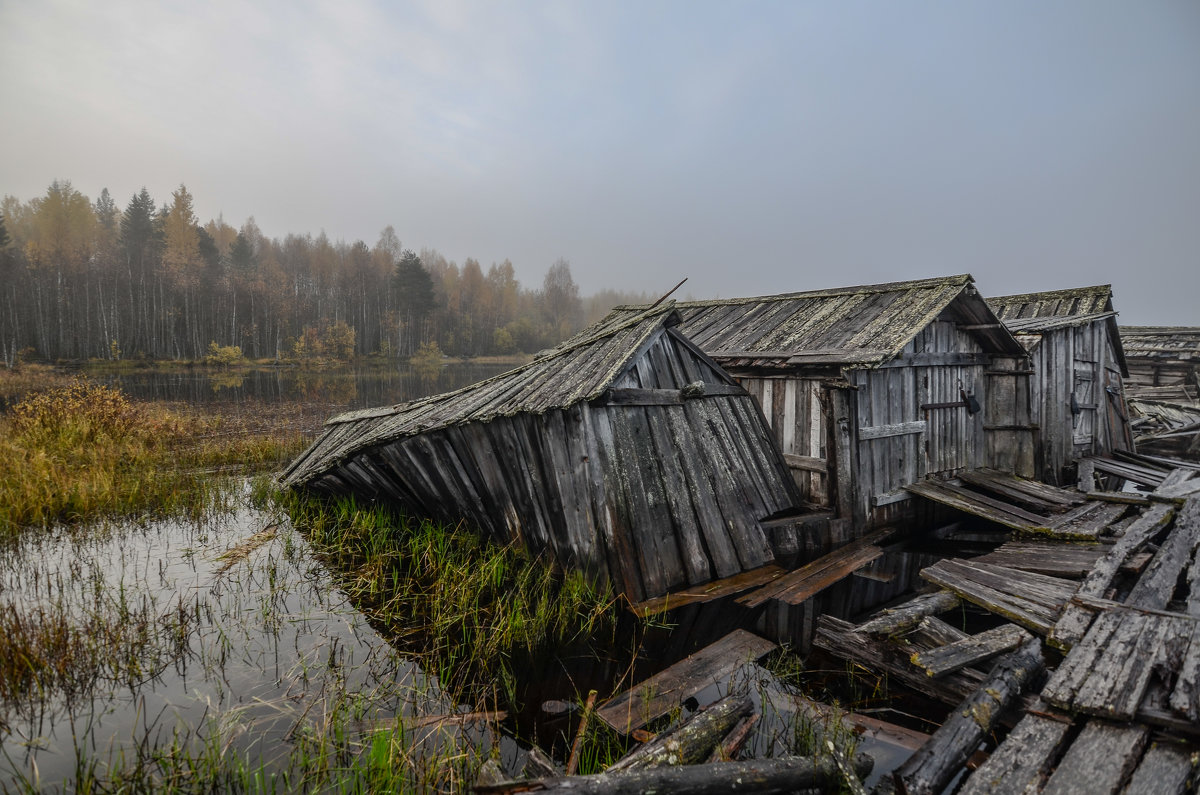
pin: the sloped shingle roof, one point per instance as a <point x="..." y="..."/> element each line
<point x="581" y="368"/>
<point x="861" y="326"/>
<point x="1036" y="313"/>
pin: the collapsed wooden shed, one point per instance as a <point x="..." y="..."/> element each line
<point x="1164" y="388"/>
<point x="1079" y="365"/>
<point x="625" y="452"/>
<point x="1161" y="356"/>
<point x="871" y="388"/>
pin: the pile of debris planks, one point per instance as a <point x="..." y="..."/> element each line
<point x="1164" y="402"/>
<point x="696" y="753"/>
<point x="1122" y="611"/>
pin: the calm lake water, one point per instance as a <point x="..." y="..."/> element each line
<point x="345" y="387"/>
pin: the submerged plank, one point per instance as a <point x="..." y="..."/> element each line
<point x="813" y="577"/>
<point x="667" y="689"/>
<point x="710" y="591"/>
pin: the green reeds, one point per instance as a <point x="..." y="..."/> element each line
<point x="472" y="612"/>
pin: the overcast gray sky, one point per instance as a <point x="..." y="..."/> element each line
<point x="755" y="147"/>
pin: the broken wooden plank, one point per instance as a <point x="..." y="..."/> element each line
<point x="1046" y="499"/>
<point x="709" y="591"/>
<point x="667" y="689"/>
<point x="1098" y="761"/>
<point x="1185" y="696"/>
<point x="880" y="657"/>
<point x="1034" y="601"/>
<point x="1022" y="760"/>
<point x="1074" y="622"/>
<point x="938" y="492"/>
<point x="1122" y="497"/>
<point x="895" y="620"/>
<point x="1086" y="526"/>
<point x="935" y="764"/>
<point x="1054" y="559"/>
<point x="1157" y="584"/>
<point x="970" y="650"/>
<point x="1164" y="770"/>
<point x="1108" y="672"/>
<point x="815" y="576"/>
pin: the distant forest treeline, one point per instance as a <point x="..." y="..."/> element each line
<point x="85" y="280"/>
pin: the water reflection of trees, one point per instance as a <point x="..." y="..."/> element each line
<point x="226" y="380"/>
<point x="322" y="387"/>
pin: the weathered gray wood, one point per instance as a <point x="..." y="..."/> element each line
<point x="970" y="651"/>
<point x="1185" y="697"/>
<point x="1032" y="600"/>
<point x="881" y="657"/>
<point x="1069" y="561"/>
<point x="894" y="429"/>
<point x="666" y="690"/>
<point x="1021" y="491"/>
<point x="1122" y="673"/>
<point x="1165" y="769"/>
<point x="1022" y="760"/>
<point x="692" y="741"/>
<point x="539" y="765"/>
<point x="931" y="768"/>
<point x="1098" y="761"/>
<point x="934" y="633"/>
<point x="1123" y="497"/>
<point x="900" y="619"/>
<point x="1074" y="622"/>
<point x="1087" y="526"/>
<point x="764" y="776"/>
<point x="1156" y="585"/>
<point x="972" y="504"/>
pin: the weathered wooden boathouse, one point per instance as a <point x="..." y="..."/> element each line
<point x="624" y="452"/>
<point x="1079" y="366"/>
<point x="870" y="389"/>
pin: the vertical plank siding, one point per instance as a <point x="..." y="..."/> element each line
<point x="649" y="497"/>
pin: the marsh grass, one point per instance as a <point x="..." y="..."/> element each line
<point x="474" y="613"/>
<point x="79" y="450"/>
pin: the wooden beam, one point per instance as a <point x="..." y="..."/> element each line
<point x="971" y="650"/>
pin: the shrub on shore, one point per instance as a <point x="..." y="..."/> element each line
<point x="82" y="450"/>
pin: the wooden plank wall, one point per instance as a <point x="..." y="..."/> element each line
<point x="898" y="442"/>
<point x="1008" y="406"/>
<point x="795" y="412"/>
<point x="650" y="497"/>
<point x="1079" y="361"/>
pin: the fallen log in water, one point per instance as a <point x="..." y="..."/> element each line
<point x="786" y="774"/>
<point x="693" y="741"/>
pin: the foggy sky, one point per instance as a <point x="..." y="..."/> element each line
<point x="753" y="147"/>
